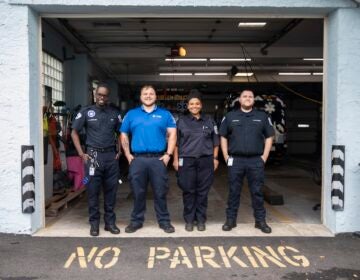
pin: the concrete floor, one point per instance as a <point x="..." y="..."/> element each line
<point x="294" y="218"/>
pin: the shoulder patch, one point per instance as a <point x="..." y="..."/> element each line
<point x="78" y="116"/>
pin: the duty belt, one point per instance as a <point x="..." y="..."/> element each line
<point x="148" y="154"/>
<point x="245" y="156"/>
<point x="102" y="150"/>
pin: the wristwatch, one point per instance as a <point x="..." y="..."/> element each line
<point x="216" y="158"/>
<point x="166" y="153"/>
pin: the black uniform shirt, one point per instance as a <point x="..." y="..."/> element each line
<point x="246" y="132"/>
<point x="196" y="137"/>
<point x="100" y="124"/>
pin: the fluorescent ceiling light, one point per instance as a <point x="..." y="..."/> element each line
<point x="243" y="74"/>
<point x="294" y="74"/>
<point x="303" y="125"/>
<point x="318" y="73"/>
<point x="175" y="74"/>
<point x="210" y="74"/>
<point x="185" y="59"/>
<point x="313" y="59"/>
<point x="230" y="59"/>
<point x="251" y="24"/>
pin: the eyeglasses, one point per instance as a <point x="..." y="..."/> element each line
<point x="102" y="95"/>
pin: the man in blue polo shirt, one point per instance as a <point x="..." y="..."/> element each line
<point x="148" y="157"/>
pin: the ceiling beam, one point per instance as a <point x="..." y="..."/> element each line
<point x="290" y="26"/>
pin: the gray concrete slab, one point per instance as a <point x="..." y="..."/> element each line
<point x="294" y="218"/>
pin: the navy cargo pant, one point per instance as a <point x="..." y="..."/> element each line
<point x="195" y="178"/>
<point x="253" y="169"/>
<point x="142" y="170"/>
<point x="106" y="177"/>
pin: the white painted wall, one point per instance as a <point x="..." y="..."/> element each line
<point x="19" y="119"/>
<point x="342" y="92"/>
<point x="190" y="8"/>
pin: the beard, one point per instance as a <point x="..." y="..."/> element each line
<point x="247" y="108"/>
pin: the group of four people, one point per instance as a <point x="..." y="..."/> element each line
<point x="150" y="136"/>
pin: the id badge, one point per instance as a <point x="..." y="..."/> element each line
<point x="230" y="161"/>
<point x="91" y="170"/>
<point x="181" y="161"/>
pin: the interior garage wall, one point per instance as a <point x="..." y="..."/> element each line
<point x="77" y="67"/>
<point x="303" y="140"/>
<point x="342" y="114"/>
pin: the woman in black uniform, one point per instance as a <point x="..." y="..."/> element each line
<point x="196" y="159"/>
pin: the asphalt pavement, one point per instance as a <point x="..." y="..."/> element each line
<point x="296" y="258"/>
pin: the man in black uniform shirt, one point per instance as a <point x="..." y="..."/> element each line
<point x="101" y="123"/>
<point x="246" y="140"/>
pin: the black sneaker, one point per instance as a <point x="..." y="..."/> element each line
<point x="168" y="228"/>
<point x="189" y="227"/>
<point x="263" y="226"/>
<point x="94" y="230"/>
<point x="132" y="227"/>
<point x="112" y="228"/>
<point x="229" y="225"/>
<point x="201" y="226"/>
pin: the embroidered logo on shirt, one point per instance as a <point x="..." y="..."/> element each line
<point x="91" y="113"/>
<point x="78" y="116"/>
<point x="156" y="116"/>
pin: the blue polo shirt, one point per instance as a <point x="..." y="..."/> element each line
<point x="147" y="130"/>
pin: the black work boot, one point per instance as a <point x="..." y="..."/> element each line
<point x="201" y="226"/>
<point x="167" y="228"/>
<point x="112" y="228"/>
<point x="189" y="227"/>
<point x="132" y="227"/>
<point x="229" y="225"/>
<point x="263" y="226"/>
<point x="94" y="230"/>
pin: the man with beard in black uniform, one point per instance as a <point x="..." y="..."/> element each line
<point x="246" y="140"/>
<point x="101" y="122"/>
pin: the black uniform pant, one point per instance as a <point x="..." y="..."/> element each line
<point x="195" y="178"/>
<point x="106" y="176"/>
<point x="143" y="170"/>
<point x="253" y="169"/>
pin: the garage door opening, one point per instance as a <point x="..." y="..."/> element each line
<point x="279" y="59"/>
